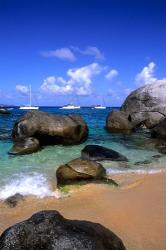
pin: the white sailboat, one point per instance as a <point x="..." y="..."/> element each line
<point x="29" y="107"/>
<point x="70" y="106"/>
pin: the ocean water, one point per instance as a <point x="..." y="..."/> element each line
<point x="32" y="174"/>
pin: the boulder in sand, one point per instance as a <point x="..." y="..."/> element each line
<point x="49" y="230"/>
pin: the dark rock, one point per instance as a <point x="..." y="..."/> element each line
<point x="48" y="230"/>
<point x="50" y="128"/>
<point x="161" y="146"/>
<point x="159" y="131"/>
<point x="13" y="200"/>
<point x="142" y="162"/>
<point x="79" y="169"/>
<point x="99" y="153"/>
<point x="118" y="121"/>
<point x="25" y="146"/>
<point x="156" y="156"/>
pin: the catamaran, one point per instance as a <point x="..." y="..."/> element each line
<point x="70" y="106"/>
<point x="29" y="107"/>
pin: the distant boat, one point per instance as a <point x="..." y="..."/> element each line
<point x="29" y="107"/>
<point x="70" y="106"/>
<point x="99" y="107"/>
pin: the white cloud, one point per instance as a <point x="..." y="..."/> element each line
<point x="56" y="85"/>
<point x="111" y="74"/>
<point x="91" y="51"/>
<point x="79" y="82"/>
<point x="22" y="89"/>
<point x="62" y="53"/>
<point x="146" y="76"/>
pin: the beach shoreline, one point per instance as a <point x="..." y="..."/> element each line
<point x="135" y="212"/>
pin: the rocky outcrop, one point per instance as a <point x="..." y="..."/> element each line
<point x="25" y="146"/>
<point x="49" y="230"/>
<point x="150" y="101"/>
<point x="144" y="106"/>
<point x="78" y="169"/>
<point x="50" y="129"/>
<point x="99" y="153"/>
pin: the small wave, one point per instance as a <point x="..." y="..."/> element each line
<point x="134" y="171"/>
<point x="31" y="184"/>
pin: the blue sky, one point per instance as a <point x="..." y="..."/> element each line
<point x="80" y="51"/>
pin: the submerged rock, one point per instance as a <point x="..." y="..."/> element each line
<point x="13" y="200"/>
<point x="79" y="169"/>
<point x="49" y="230"/>
<point x="99" y="153"/>
<point x="25" y="146"/>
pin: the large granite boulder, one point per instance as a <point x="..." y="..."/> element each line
<point x="49" y="230"/>
<point x="79" y="169"/>
<point x="50" y="128"/>
<point x="99" y="153"/>
<point x="145" y="106"/>
<point x="118" y="121"/>
<point x="150" y="101"/>
<point x="25" y="146"/>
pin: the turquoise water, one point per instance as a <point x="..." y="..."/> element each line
<point x="30" y="174"/>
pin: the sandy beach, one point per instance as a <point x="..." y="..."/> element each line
<point x="135" y="212"/>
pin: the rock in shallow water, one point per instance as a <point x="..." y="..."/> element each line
<point x="99" y="153"/>
<point x="118" y="121"/>
<point x="49" y="230"/>
<point x="79" y="169"/>
<point x="25" y="146"/>
<point x="50" y="128"/>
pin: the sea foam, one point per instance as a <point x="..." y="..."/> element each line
<point x="28" y="184"/>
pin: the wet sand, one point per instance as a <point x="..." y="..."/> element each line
<point x="135" y="212"/>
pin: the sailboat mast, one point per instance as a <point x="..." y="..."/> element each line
<point x="30" y="96"/>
